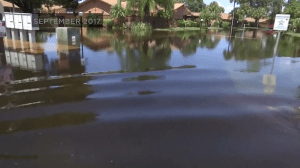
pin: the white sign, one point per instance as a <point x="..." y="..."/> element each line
<point x="281" y="22"/>
<point x="269" y="80"/>
<point x="73" y="40"/>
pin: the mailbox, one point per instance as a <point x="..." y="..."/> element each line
<point x="18" y="20"/>
<point x="23" y="60"/>
<point x="35" y="62"/>
<point x="14" y="59"/>
<point x="30" y="21"/>
<point x="7" y="55"/>
<point x="9" y="20"/>
<point x="25" y="21"/>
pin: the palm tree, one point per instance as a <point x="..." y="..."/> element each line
<point x="234" y="2"/>
<point x="118" y="12"/>
<point x="145" y="6"/>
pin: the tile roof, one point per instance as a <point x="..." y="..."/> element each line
<point x="7" y="4"/>
<point x="195" y="13"/>
<point x="177" y="5"/>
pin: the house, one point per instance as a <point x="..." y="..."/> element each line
<point x="261" y="22"/>
<point x="7" y="7"/>
<point x="97" y="6"/>
<point x="182" y="12"/>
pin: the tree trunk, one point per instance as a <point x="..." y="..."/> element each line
<point x="256" y="21"/>
<point x="147" y="13"/>
<point x="233" y="15"/>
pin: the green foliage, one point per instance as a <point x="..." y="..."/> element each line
<point x="216" y="24"/>
<point x="271" y="7"/>
<point x="105" y="21"/>
<point x="258" y="13"/>
<point x="145" y="6"/>
<point x="109" y="23"/>
<point x="295" y="23"/>
<point x="195" y="6"/>
<point x="117" y="11"/>
<point x="293" y="8"/>
<point x="206" y="15"/>
<point x="92" y="20"/>
<point x="93" y="32"/>
<point x="187" y="23"/>
<point x="226" y="24"/>
<point x="164" y="14"/>
<point x="123" y="26"/>
<point x="198" y="21"/>
<point x="215" y="8"/>
<point x="140" y="26"/>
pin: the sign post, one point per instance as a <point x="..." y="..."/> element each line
<point x="281" y="24"/>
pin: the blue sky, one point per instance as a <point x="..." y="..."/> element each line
<point x="224" y="3"/>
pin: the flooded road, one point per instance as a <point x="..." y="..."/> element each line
<point x="172" y="99"/>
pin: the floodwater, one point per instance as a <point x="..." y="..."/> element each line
<point x="112" y="99"/>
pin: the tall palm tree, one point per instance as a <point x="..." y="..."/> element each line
<point x="234" y="2"/>
<point x="145" y="6"/>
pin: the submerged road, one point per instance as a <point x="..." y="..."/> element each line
<point x="175" y="118"/>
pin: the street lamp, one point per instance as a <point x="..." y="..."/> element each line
<point x="81" y="14"/>
<point x="201" y="24"/>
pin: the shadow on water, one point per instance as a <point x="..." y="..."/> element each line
<point x="56" y="120"/>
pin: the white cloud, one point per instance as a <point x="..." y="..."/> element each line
<point x="229" y="8"/>
<point x="219" y="4"/>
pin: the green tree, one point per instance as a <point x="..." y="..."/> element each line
<point x="211" y="12"/>
<point x="145" y="6"/>
<point x="272" y="7"/>
<point x="207" y="16"/>
<point x="215" y="10"/>
<point x="118" y="12"/>
<point x="194" y="5"/>
<point x="293" y="8"/>
<point x="258" y="13"/>
<point x="233" y="11"/>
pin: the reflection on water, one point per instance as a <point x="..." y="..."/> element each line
<point x="45" y="91"/>
<point x="64" y="52"/>
<point x="56" y="120"/>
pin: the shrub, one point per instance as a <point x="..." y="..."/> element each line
<point x="216" y="24"/>
<point x="93" y="32"/>
<point x="194" y="24"/>
<point x="187" y="23"/>
<point x="93" y="20"/>
<point x="296" y="24"/>
<point x="140" y="26"/>
<point x="123" y="26"/>
<point x="110" y="24"/>
<point x="198" y="21"/>
<point x="164" y="14"/>
<point x="117" y="11"/>
<point x="226" y="24"/>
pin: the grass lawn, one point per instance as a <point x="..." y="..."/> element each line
<point x="293" y="34"/>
